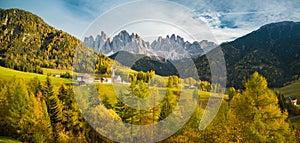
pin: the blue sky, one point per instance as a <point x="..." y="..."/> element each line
<point x="227" y="19"/>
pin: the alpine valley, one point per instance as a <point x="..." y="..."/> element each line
<point x="272" y="50"/>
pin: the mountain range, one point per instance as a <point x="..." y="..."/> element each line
<point x="171" y="47"/>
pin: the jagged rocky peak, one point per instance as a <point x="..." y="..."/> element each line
<point x="123" y="41"/>
<point x="170" y="40"/>
<point x="179" y="39"/>
<point x="123" y="35"/>
<point x="89" y="41"/>
<point x="102" y="36"/>
<point x="173" y="37"/>
<point x="176" y="38"/>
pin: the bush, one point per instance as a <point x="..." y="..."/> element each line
<point x="66" y="75"/>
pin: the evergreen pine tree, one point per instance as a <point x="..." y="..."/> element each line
<point x="281" y="101"/>
<point x="54" y="108"/>
<point x="166" y="108"/>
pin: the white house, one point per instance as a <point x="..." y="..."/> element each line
<point x="292" y="100"/>
<point x="79" y="78"/>
<point x="84" y="79"/>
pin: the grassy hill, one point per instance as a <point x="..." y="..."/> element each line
<point x="47" y="71"/>
<point x="291" y="90"/>
<point x="7" y="74"/>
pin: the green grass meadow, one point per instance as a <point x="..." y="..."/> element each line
<point x="291" y="90"/>
<point x="8" y="74"/>
<point x="8" y="140"/>
<point x="47" y="71"/>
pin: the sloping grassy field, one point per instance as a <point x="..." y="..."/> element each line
<point x="6" y="74"/>
<point x="58" y="71"/>
<point x="292" y="90"/>
<point x="8" y="140"/>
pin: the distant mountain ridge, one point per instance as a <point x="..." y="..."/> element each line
<point x="273" y="50"/>
<point x="172" y="47"/>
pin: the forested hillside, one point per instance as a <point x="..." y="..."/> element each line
<point x="27" y="43"/>
<point x="144" y="63"/>
<point x="273" y="50"/>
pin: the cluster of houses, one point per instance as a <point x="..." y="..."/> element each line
<point x="87" y="79"/>
<point x="84" y="79"/>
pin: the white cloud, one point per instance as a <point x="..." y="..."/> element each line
<point x="228" y="34"/>
<point x="226" y="19"/>
<point x="229" y="19"/>
<point x="151" y="18"/>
